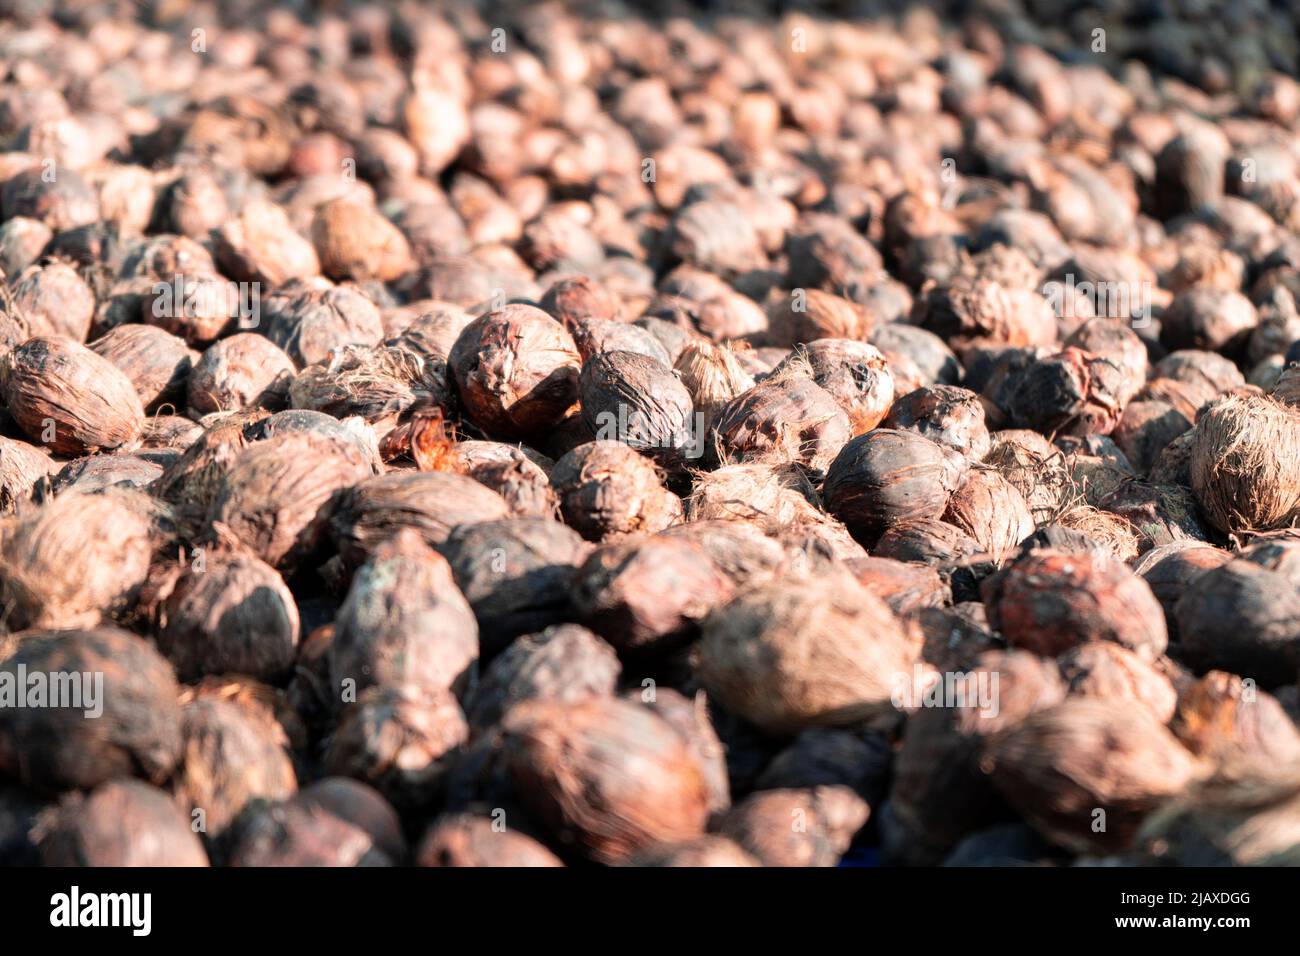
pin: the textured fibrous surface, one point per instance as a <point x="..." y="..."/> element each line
<point x="516" y="370"/>
<point x="461" y="840"/>
<point x="610" y="773"/>
<point x="430" y="503"/>
<point x="586" y="434"/>
<point x="1245" y="464"/>
<point x="1061" y="765"/>
<point x="606" y="488"/>
<point x="275" y="493"/>
<point x="1049" y="601"/>
<point x="76" y="561"/>
<point x="786" y="418"/>
<point x="68" y="398"/>
<point x="138" y="728"/>
<point x="648" y="595"/>
<point x="103" y="829"/>
<point x="888" y="476"/>
<point x="799" y="653"/>
<point x="404" y="622"/>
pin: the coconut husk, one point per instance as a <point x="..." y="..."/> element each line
<point x="841" y="639"/>
<point x="68" y="398"/>
<point x="607" y="776"/>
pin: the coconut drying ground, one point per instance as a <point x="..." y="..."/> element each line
<point x="569" y="435"/>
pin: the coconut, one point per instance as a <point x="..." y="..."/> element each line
<point x="68" y="398"/>
<point x="379" y="385"/>
<point x="21" y="467"/>
<point x="708" y="850"/>
<point x="295" y="834"/>
<point x="433" y="332"/>
<point x="1238" y="818"/>
<point x="241" y="370"/>
<point x="190" y="482"/>
<point x="1115" y="341"/>
<point x="77" y="560"/>
<point x="773" y="496"/>
<point x="355" y="241"/>
<point x="841" y="640"/>
<point x="426" y="640"/>
<point x="517" y="474"/>
<point x="1072" y="393"/>
<point x="1108" y="672"/>
<point x="1107" y="533"/>
<point x="1144" y="430"/>
<point x="169" y="433"/>
<point x="991" y="510"/>
<point x="1172" y="568"/>
<point x="277" y="495"/>
<point x="713" y="376"/>
<point x="516" y="573"/>
<point x="224" y="611"/>
<point x="119" y="824"/>
<point x="157" y="362"/>
<point x="607" y="489"/>
<point x="927" y="541"/>
<point x="905" y="587"/>
<point x="826" y="818"/>
<point x="945" y="414"/>
<point x="887" y="476"/>
<point x="606" y="775"/>
<point x="260" y="245"/>
<point x="97" y="472"/>
<point x="1245" y="464"/>
<point x="647" y="596"/>
<point x="938" y="793"/>
<point x="828" y="756"/>
<point x="230" y="756"/>
<point x="1217" y="320"/>
<point x="398" y="739"/>
<point x="594" y="336"/>
<point x="916" y="357"/>
<point x="1158" y="514"/>
<point x="807" y="315"/>
<point x="1048" y="601"/>
<point x="1035" y="467"/>
<point x="639" y="401"/>
<point x="54" y="300"/>
<point x="431" y="503"/>
<point x="854" y="373"/>
<point x="310" y="319"/>
<point x="360" y="805"/>
<point x="785" y="418"/>
<point x="1244" y="616"/>
<point x="463" y="840"/>
<point x="739" y="549"/>
<point x="197" y="307"/>
<point x="966" y="312"/>
<point x="564" y="663"/>
<point x="516" y="370"/>
<point x="1228" y="719"/>
<point x="1061" y="765"/>
<point x="136" y="732"/>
